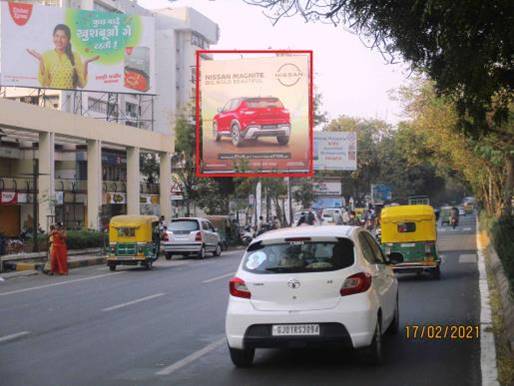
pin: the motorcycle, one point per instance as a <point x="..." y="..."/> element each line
<point x="247" y="235"/>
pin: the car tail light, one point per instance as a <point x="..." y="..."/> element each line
<point x="198" y="236"/>
<point x="239" y="289"/>
<point x="360" y="282"/>
<point x="428" y="247"/>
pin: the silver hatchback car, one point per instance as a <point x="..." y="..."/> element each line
<point x="191" y="235"/>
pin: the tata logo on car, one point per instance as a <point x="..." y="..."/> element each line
<point x="289" y="74"/>
<point x="293" y="284"/>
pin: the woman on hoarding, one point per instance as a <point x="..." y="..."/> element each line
<point x="62" y="68"/>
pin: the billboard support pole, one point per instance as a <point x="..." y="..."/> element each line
<point x="289" y="200"/>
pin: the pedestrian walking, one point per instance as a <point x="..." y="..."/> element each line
<point x="59" y="251"/>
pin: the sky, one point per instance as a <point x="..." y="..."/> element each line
<point x="353" y="79"/>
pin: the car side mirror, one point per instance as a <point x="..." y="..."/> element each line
<point x="395" y="258"/>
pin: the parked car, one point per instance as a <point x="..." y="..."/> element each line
<point x="191" y="235"/>
<point x="250" y="118"/>
<point x="327" y="285"/>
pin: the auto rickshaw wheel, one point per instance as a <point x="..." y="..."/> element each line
<point x="436" y="273"/>
<point x="112" y="267"/>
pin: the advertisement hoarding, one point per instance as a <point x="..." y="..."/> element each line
<point x="335" y="150"/>
<point x="327" y="188"/>
<point x="254" y="115"/>
<point x="65" y="48"/>
<point x="381" y="193"/>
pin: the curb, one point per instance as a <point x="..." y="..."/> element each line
<point x="507" y="299"/>
<point x="20" y="266"/>
<point x="488" y="365"/>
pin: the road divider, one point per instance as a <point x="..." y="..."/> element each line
<point x="133" y="302"/>
<point x="192" y="357"/>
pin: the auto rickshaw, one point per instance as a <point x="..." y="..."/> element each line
<point x="409" y="239"/>
<point x="133" y="240"/>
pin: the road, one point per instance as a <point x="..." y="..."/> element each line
<point x="166" y="327"/>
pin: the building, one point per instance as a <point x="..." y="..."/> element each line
<point x="80" y="151"/>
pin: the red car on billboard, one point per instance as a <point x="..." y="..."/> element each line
<point x="250" y="118"/>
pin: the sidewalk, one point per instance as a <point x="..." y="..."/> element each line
<point x="74" y="261"/>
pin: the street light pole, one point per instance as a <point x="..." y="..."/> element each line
<point x="34" y="199"/>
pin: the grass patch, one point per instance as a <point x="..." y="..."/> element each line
<point x="504" y="357"/>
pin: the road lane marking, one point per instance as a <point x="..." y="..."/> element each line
<point x="468" y="258"/>
<point x="57" y="284"/>
<point x="132" y="302"/>
<point x="218" y="277"/>
<point x="13" y="336"/>
<point x="191" y="358"/>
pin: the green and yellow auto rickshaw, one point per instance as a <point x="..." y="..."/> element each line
<point x="133" y="240"/>
<point x="409" y="236"/>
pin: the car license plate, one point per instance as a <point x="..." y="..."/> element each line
<point x="269" y="127"/>
<point x="295" y="330"/>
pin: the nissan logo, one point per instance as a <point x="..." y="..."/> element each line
<point x="293" y="284"/>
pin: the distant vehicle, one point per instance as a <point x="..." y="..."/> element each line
<point x="191" y="235"/>
<point x="419" y="200"/>
<point x="332" y="216"/>
<point x="445" y="214"/>
<point x="327" y="285"/>
<point x="250" y="118"/>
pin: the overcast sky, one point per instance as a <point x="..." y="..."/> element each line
<point x="353" y="79"/>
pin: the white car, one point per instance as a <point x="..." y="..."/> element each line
<point x="332" y="216"/>
<point x="311" y="286"/>
<point x="190" y="235"/>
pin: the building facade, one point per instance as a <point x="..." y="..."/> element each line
<point x="83" y="177"/>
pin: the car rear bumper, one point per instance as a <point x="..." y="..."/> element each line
<point x="182" y="247"/>
<point x="355" y="324"/>
<point x="255" y="131"/>
<point x="415" y="267"/>
<point x="331" y="334"/>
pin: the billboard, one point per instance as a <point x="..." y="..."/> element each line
<point x="335" y="150"/>
<point x="254" y="115"/>
<point x="381" y="193"/>
<point x="72" y="49"/>
<point x="327" y="188"/>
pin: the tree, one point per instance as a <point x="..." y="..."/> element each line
<point x="465" y="47"/>
<point x="149" y="167"/>
<point x="184" y="159"/>
<point x="303" y="192"/>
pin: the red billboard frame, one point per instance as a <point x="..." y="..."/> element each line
<point x="199" y="173"/>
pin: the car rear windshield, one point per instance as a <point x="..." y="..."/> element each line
<point x="183" y="225"/>
<point x="264" y="103"/>
<point x="299" y="256"/>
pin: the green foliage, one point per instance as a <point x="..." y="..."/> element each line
<point x="502" y="232"/>
<point x="86" y="239"/>
<point x="303" y="192"/>
<point x="149" y="167"/>
<point x="465" y="46"/>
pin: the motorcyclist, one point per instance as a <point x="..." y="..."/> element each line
<point x="454" y="217"/>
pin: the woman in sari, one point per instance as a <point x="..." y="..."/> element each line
<point x="59" y="262"/>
